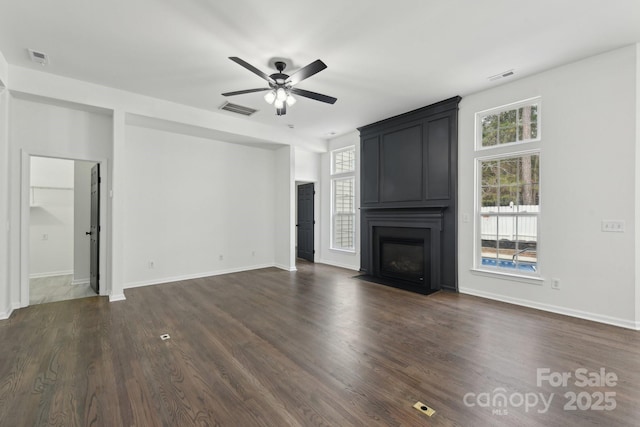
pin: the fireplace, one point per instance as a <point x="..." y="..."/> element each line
<point x="408" y="199"/>
<point x="403" y="248"/>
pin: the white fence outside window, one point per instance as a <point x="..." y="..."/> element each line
<point x="506" y="225"/>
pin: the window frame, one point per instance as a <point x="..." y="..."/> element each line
<point x="334" y="177"/>
<point x="499" y="152"/>
<point x="537" y="101"/>
<point x="480" y="214"/>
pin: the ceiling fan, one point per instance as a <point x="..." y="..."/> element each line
<point x="281" y="85"/>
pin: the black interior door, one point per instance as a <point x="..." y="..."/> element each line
<point x="305" y="221"/>
<point x="94" y="231"/>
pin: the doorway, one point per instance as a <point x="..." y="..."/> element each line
<point x="61" y="257"/>
<point x="305" y="222"/>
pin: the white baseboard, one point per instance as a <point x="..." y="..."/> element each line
<point x="193" y="276"/>
<point x="595" y="317"/>
<point x="337" y="264"/>
<point x="117" y="297"/>
<point x="50" y="274"/>
<point x="282" y="267"/>
<point x="75" y="282"/>
<point x="6" y="314"/>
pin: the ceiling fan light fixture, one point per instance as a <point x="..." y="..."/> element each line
<point x="281" y="94"/>
<point x="278" y="104"/>
<point x="270" y="97"/>
<point x="291" y="100"/>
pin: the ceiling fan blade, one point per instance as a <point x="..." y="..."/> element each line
<point x="251" y="68"/>
<point x="308" y="71"/>
<point x="313" y="95"/>
<point x="240" y="92"/>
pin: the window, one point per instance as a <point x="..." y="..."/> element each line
<point x="343" y="161"/>
<point x="517" y="123"/>
<point x="508" y="190"/>
<point x="343" y="168"/>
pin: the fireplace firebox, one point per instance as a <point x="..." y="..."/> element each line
<point x="402" y="254"/>
<point x="402" y="259"/>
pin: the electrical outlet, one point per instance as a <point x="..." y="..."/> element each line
<point x="253" y="253"/>
<point x="613" y="226"/>
<point x="221" y="257"/>
<point x="151" y="265"/>
<point x="555" y="284"/>
<point x="45" y="237"/>
<point x="466" y="217"/>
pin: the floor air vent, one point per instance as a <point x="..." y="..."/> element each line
<point x="238" y="109"/>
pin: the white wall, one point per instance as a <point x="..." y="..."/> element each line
<point x="588" y="157"/>
<point x="51" y="217"/>
<point x="191" y="200"/>
<point x="228" y="127"/>
<point x="5" y="300"/>
<point x="307" y="165"/>
<point x="82" y="221"/>
<point x="330" y="256"/>
<point x="284" y="240"/>
<point x="45" y="129"/>
<point x="4" y="71"/>
<point x="637" y="184"/>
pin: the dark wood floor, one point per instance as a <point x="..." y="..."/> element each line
<point x="311" y="348"/>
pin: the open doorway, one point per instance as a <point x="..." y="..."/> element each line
<point x="60" y="240"/>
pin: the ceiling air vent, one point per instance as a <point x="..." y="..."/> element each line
<point x="38" y="57"/>
<point x="502" y="75"/>
<point x="238" y="109"/>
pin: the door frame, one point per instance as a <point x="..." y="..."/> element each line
<point x="25" y="219"/>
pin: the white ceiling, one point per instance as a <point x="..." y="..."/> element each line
<point x="383" y="57"/>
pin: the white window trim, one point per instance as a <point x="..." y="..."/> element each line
<point x="341" y="176"/>
<point x="497" y="152"/>
<point x="531" y="280"/>
<point x="512" y="106"/>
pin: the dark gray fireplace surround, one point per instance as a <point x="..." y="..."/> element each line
<point x="408" y="199"/>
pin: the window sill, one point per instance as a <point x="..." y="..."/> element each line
<point x="531" y="280"/>
<point x="344" y="251"/>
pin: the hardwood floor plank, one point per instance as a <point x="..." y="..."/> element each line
<point x="314" y="347"/>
